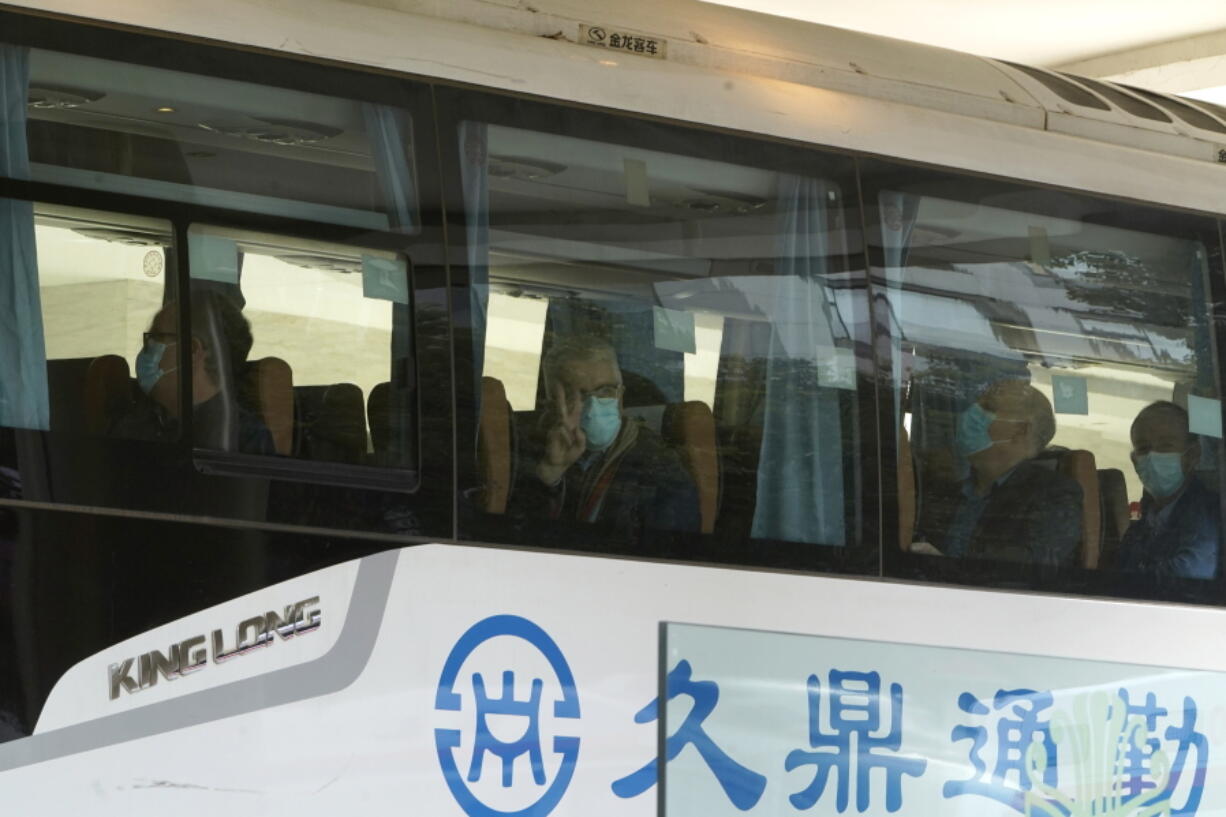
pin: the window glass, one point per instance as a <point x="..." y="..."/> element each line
<point x="1056" y="379"/>
<point x="667" y="345"/>
<point x="106" y="125"/>
<point x="317" y="340"/>
<point x="83" y="286"/>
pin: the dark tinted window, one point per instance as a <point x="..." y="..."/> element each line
<point x="105" y="125"/>
<point x="668" y="346"/>
<point x="277" y="381"/>
<point x="1054" y="360"/>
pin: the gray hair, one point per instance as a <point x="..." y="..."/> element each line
<point x="573" y="349"/>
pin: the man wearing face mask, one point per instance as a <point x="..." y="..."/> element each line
<point x="1013" y="508"/>
<point x="594" y="465"/>
<point x="1177" y="534"/>
<point x="221" y="337"/>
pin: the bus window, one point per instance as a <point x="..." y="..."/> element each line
<point x="668" y="348"/>
<point x="1054" y="362"/>
<point x="313" y="332"/>
<point x="294" y="354"/>
<point x="104" y="125"/>
<point x="101" y="279"/>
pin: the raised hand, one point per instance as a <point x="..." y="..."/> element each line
<point x="564" y="439"/>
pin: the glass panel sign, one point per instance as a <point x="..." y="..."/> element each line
<point x="778" y="724"/>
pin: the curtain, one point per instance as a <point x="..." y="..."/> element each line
<point x="23" y="359"/>
<point x="474" y="166"/>
<point x="800" y="471"/>
<point x="389" y="132"/>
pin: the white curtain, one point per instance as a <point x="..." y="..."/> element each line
<point x="800" y="472"/>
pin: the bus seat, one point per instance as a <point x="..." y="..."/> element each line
<point x="1115" y="516"/>
<point x="739" y="449"/>
<point x="87" y="393"/>
<point x="330" y="423"/>
<point x="690" y="428"/>
<point x="108" y="392"/>
<point x="378" y="416"/>
<point x="1079" y="464"/>
<point x="906" y="491"/>
<point x="639" y="390"/>
<point x="494" y="455"/>
<point x="66" y="392"/>
<point x="270" y="383"/>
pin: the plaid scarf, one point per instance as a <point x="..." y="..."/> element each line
<point x="594" y="486"/>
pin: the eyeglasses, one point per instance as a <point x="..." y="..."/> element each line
<point x="160" y="337"/>
<point x="605" y="392"/>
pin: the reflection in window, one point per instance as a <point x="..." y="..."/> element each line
<point x="1058" y="375"/>
<point x="317" y="339"/>
<point x="100" y="282"/>
<point x="668" y="341"/>
<point x="114" y="126"/>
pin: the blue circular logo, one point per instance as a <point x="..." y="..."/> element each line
<point x="491" y="753"/>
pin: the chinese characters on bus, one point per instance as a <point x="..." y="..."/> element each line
<point x="1104" y="754"/>
<point x="619" y="40"/>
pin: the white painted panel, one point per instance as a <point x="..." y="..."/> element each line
<point x="373" y="742"/>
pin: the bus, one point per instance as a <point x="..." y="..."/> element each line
<point x="539" y="408"/>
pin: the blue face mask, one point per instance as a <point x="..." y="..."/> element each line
<point x="1161" y="472"/>
<point x="600" y="421"/>
<point x="972" y="435"/>
<point x="149" y="365"/>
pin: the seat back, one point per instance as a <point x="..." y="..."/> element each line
<point x="690" y="428"/>
<point x="1113" y="492"/>
<point x="1079" y="465"/>
<point x="108" y="392"/>
<point x="66" y="393"/>
<point x="330" y="423"/>
<point x="494" y="446"/>
<point x="88" y="393"/>
<point x="270" y="387"/>
<point x="379" y="416"/>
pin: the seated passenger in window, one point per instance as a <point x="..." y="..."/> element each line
<point x="221" y="337"/>
<point x="1013" y="508"/>
<point x="1177" y="534"/>
<point x="592" y="463"/>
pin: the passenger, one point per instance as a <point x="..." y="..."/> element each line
<point x="219" y="419"/>
<point x="1013" y="508"/>
<point x="594" y="465"/>
<point x="1177" y="534"/>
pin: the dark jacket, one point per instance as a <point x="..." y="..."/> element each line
<point x="650" y="490"/>
<point x="146" y="420"/>
<point x="1179" y="542"/>
<point x="1033" y="516"/>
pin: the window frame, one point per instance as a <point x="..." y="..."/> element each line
<point x="878" y="175"/>
<point x="428" y="481"/>
<point x="861" y="554"/>
<point x="441" y="285"/>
